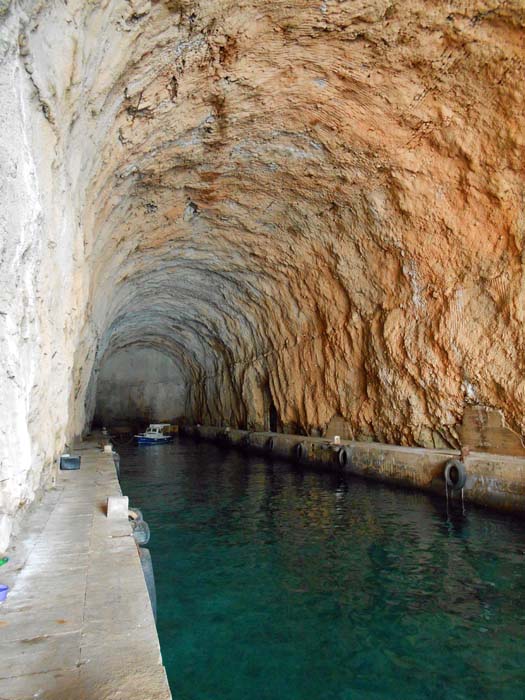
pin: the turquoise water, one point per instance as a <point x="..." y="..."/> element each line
<point x="276" y="583"/>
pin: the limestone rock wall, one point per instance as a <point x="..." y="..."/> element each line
<point x="315" y="205"/>
<point x="41" y="278"/>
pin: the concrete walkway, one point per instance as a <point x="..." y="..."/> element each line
<point x="77" y="624"/>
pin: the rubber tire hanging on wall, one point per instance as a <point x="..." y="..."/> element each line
<point x="455" y="474"/>
<point x="344" y="457"/>
<point x="137" y="512"/>
<point x="245" y="442"/>
<point x="223" y="438"/>
<point x="149" y="577"/>
<point x="116" y="462"/>
<point x="141" y="532"/>
<point x="301" y="451"/>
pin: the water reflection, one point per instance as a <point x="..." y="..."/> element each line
<point x="277" y="582"/>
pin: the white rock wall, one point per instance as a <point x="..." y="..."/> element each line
<point x="41" y="270"/>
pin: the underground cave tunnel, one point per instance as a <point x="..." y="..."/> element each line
<point x="271" y="199"/>
<point x="140" y="384"/>
<point x="297" y="217"/>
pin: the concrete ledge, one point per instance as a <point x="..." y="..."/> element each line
<point x="495" y="481"/>
<point x="78" y="621"/>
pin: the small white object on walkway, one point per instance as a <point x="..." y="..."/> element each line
<point x="118" y="507"/>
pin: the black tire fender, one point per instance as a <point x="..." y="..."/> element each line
<point x="301" y="451"/>
<point x="344" y="457"/>
<point x="136" y="512"/>
<point x="141" y="532"/>
<point x="149" y="577"/>
<point x="116" y="462"/>
<point x="224" y="437"/>
<point x="455" y="474"/>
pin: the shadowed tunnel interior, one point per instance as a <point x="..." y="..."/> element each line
<point x="305" y="211"/>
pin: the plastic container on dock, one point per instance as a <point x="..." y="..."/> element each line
<point x="68" y="462"/>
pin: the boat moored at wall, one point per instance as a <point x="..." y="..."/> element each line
<point x="156" y="434"/>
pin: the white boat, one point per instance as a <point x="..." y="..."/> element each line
<point x="154" y="435"/>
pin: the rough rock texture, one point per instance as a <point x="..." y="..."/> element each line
<point x="315" y="205"/>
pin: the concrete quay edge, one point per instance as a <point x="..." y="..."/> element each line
<point x="494" y="481"/>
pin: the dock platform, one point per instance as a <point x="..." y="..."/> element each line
<point x="77" y="623"/>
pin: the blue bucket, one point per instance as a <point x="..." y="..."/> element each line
<point x="3" y="592"/>
<point x="67" y="462"/>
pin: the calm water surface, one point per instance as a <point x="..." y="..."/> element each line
<point x="284" y="584"/>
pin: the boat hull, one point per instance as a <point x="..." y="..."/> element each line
<point x="153" y="441"/>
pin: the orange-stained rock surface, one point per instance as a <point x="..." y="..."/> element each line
<point x="318" y="205"/>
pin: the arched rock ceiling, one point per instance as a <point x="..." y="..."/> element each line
<point x="323" y="196"/>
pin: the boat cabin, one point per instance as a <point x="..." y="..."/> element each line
<point x="158" y="428"/>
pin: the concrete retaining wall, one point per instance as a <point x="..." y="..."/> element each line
<point x="495" y="481"/>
